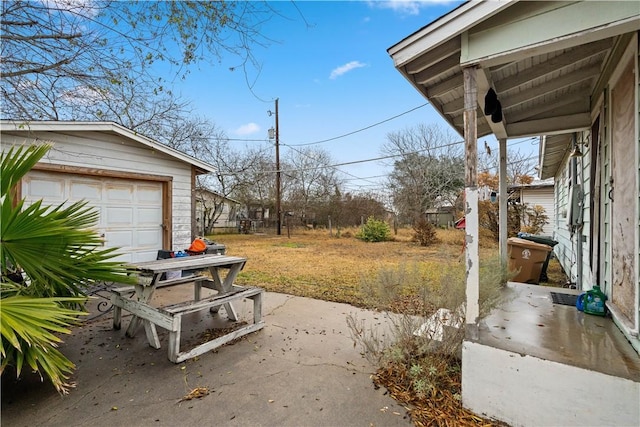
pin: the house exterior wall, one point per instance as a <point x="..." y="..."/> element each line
<point x="598" y="263"/>
<point x="567" y="237"/>
<point x="103" y="151"/>
<point x="227" y="218"/>
<point x="542" y="196"/>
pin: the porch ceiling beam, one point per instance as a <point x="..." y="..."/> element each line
<point x="552" y="86"/>
<point x="434" y="56"/>
<point x="546" y="106"/>
<point x="452" y="83"/>
<point x="454" y="107"/>
<point x="482" y="123"/>
<point x="556" y="125"/>
<point x="554" y="64"/>
<point x="428" y="74"/>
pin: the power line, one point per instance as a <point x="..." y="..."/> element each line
<point x="338" y="170"/>
<point x="359" y="130"/>
<point x="324" y="140"/>
<point x="375" y="159"/>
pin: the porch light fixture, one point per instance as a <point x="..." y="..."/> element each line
<point x="576" y="152"/>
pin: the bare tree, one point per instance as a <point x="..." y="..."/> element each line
<point x="258" y="181"/>
<point x="57" y="54"/>
<point x="312" y="180"/>
<point x="429" y="171"/>
<point x="520" y="164"/>
<point x="200" y="138"/>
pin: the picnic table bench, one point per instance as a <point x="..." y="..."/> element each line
<point x="136" y="300"/>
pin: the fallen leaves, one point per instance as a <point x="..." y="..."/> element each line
<point x="211" y="334"/>
<point x="441" y="407"/>
<point x="196" y="393"/>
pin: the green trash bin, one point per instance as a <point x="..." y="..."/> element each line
<point x="545" y="240"/>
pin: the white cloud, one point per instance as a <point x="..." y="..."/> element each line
<point x="84" y="8"/>
<point x="407" y="7"/>
<point x="343" y="69"/>
<point x="84" y="95"/>
<point x="248" y="129"/>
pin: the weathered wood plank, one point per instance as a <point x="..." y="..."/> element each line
<point x="217" y="300"/>
<point x="117" y="310"/>
<point x="210" y="345"/>
<point x="144" y="311"/>
<point x="188" y="263"/>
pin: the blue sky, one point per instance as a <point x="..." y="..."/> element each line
<point x="328" y="66"/>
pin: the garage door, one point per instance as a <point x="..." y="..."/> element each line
<point x="130" y="211"/>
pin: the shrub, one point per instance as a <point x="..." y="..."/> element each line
<point x="425" y="232"/>
<point x="520" y="217"/>
<point x="374" y="231"/>
<point x="418" y="356"/>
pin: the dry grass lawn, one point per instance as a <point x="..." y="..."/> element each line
<point x="311" y="263"/>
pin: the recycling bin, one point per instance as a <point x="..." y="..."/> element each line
<point x="545" y="240"/>
<point x="527" y="258"/>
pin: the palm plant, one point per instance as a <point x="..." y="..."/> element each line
<point x="48" y="258"/>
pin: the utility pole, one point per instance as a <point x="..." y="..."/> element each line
<point x="278" y="211"/>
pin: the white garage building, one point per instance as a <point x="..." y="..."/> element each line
<point x="144" y="190"/>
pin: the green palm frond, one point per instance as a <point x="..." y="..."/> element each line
<point x="29" y="328"/>
<point x="17" y="162"/>
<point x="60" y="256"/>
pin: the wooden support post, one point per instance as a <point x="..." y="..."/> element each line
<point x="502" y="203"/>
<point x="471" y="202"/>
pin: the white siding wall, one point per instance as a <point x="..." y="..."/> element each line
<point x="112" y="152"/>
<point x="567" y="239"/>
<point x="564" y="249"/>
<point x="544" y="197"/>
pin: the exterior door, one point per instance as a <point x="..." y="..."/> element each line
<point x="130" y="212"/>
<point x="624" y="196"/>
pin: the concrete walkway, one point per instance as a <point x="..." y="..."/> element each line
<point x="302" y="369"/>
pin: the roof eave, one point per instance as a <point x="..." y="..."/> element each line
<point x="448" y="26"/>
<point x="73" y="126"/>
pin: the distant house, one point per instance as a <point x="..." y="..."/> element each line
<point x="443" y="216"/>
<point x="214" y="211"/>
<point x="537" y="193"/>
<point x="142" y="189"/>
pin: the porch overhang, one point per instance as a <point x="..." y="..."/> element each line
<point x="554" y="150"/>
<point x="543" y="79"/>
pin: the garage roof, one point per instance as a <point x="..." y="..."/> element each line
<point x="543" y="59"/>
<point x="105" y="127"/>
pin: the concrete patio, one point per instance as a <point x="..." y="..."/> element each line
<point x="302" y="369"/>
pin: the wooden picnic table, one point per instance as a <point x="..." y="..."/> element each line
<point x="137" y="299"/>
